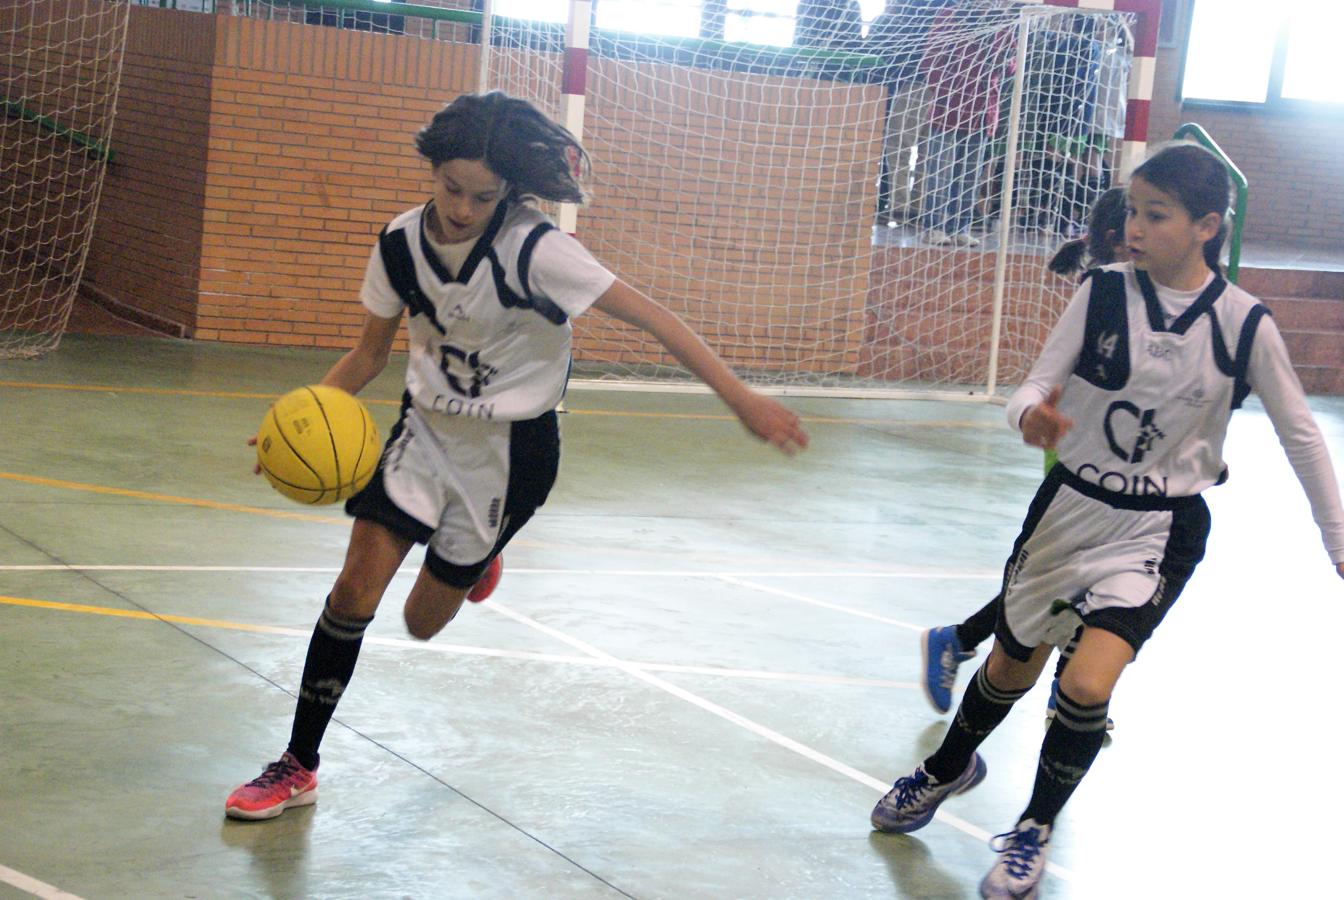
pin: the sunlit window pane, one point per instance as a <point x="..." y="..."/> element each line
<point x="758" y="30"/>
<point x="532" y="10"/>
<point x="646" y="17"/>
<point x="1315" y="65"/>
<point x="1231" y="51"/>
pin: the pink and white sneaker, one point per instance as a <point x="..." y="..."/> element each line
<point x="285" y="783"/>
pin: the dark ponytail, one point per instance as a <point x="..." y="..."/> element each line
<point x="1105" y="223"/>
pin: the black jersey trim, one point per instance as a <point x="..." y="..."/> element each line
<point x="509" y="298"/>
<point x="396" y="253"/>
<point x="1118" y="500"/>
<point x="1222" y="358"/>
<point x="525" y="256"/>
<point x="1242" y="387"/>
<point x="478" y="250"/>
<point x="1103" y="360"/>
<point x="1203" y="303"/>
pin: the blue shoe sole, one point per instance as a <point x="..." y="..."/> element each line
<point x="925" y="682"/>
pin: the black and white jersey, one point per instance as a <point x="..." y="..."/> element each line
<point x="492" y="339"/>
<point x="1150" y="377"/>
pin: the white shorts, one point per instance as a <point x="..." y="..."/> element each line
<point x="1089" y="556"/>
<point x="463" y="486"/>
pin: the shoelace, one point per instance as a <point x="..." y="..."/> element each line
<point x="275" y="772"/>
<point x="1020" y="850"/>
<point x="910" y="787"/>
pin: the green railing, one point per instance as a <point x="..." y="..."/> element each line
<point x="95" y="148"/>
<point x="1200" y="136"/>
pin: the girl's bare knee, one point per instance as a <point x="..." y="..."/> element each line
<point x="422" y="627"/>
<point x="349" y="599"/>
<point x="1088" y="691"/>
<point x="1009" y="674"/>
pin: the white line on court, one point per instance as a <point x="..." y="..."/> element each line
<point x="618" y="573"/>
<point x="824" y="604"/>
<point x="468" y="649"/>
<point x="742" y="721"/>
<point x="30" y="885"/>
<point x="589" y="660"/>
<point x="642" y="672"/>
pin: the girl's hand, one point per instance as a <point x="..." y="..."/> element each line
<point x="256" y="467"/>
<point x="771" y="422"/>
<point x="1340" y="569"/>
<point x="1043" y="425"/>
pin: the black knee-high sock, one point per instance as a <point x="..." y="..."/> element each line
<point x="982" y="708"/>
<point x="979" y="625"/>
<point x="331" y="661"/>
<point x="1069" y="748"/>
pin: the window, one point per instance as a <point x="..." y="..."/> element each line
<point x="749" y="21"/>
<point x="1264" y="52"/>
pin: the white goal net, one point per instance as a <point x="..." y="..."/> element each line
<point x="833" y="217"/>
<point x="826" y="203"/>
<point x="60" y="66"/>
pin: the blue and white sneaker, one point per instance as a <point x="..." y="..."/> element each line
<point x="1050" y="706"/>
<point x="942" y="654"/>
<point x="912" y="801"/>
<point x="1022" y="854"/>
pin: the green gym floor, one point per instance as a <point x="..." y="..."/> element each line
<point x="698" y="675"/>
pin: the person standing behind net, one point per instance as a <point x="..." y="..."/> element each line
<point x="1134" y="387"/>
<point x="969" y="54"/>
<point x="490" y="286"/>
<point x="898" y="35"/>
<point x="945" y="648"/>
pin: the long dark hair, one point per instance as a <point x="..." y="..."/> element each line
<point x="1199" y="181"/>
<point x="1105" y="223"/>
<point x="515" y="140"/>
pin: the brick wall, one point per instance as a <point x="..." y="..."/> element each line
<point x="310" y="155"/>
<point x="716" y="195"/>
<point x="303" y="151"/>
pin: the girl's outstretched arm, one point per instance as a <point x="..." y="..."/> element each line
<point x="763" y="417"/>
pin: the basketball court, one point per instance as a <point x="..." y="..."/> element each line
<point x="697" y="676"/>
<point x="702" y="667"/>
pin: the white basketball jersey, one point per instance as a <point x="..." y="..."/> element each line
<point x="1150" y="399"/>
<point x="485" y="341"/>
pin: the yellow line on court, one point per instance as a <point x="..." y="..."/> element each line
<point x="169" y="498"/>
<point x="140" y="614"/>
<point x="632" y="414"/>
<point x="127" y="389"/>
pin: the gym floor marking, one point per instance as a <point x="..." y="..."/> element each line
<point x="30" y="885"/>
<point x="455" y="649"/>
<point x="600" y="657"/>
<point x="628" y="414"/>
<point x="169" y="498"/>
<point x="876" y="569"/>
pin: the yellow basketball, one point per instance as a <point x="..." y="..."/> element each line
<point x="317" y="445"/>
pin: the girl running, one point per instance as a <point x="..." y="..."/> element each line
<point x="1134" y="387"/>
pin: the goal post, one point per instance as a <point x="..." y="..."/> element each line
<point x="872" y="219"/>
<point x="60" y="69"/>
